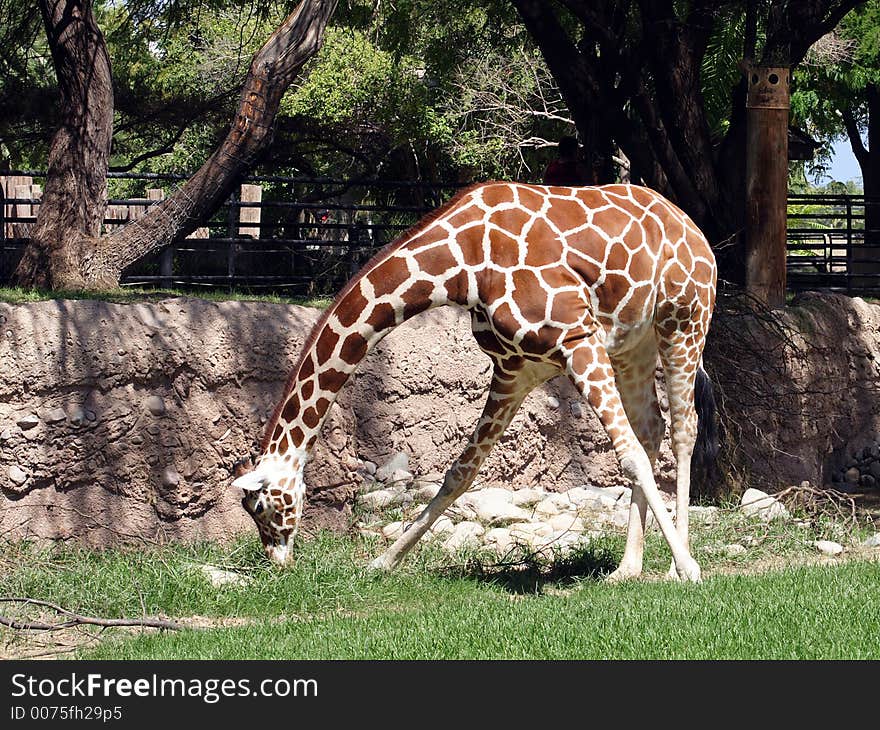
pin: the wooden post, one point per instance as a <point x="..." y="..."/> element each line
<point x="250" y="214"/>
<point x="767" y="183"/>
<point x="166" y="257"/>
<point x="10" y="184"/>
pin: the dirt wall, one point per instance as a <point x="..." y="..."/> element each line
<point x="122" y="421"/>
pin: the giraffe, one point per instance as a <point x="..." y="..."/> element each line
<point x="594" y="283"/>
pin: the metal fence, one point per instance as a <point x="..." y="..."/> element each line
<point x="834" y="243"/>
<point x="289" y="234"/>
<point x="303" y="235"/>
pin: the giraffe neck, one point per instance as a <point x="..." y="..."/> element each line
<point x="425" y="272"/>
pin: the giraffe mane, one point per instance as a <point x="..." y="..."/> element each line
<point x="374" y="261"/>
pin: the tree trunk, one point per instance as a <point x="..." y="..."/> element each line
<point x="65" y="234"/>
<point x="83" y="260"/>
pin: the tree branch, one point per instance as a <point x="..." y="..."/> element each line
<point x="75" y="619"/>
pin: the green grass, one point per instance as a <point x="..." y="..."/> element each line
<point x="16" y="295"/>
<point x="328" y="606"/>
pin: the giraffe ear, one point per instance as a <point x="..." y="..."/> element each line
<point x="250" y="482"/>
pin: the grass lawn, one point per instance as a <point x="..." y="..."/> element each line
<point x="463" y="607"/>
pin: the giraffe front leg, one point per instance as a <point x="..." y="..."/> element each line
<point x="505" y="396"/>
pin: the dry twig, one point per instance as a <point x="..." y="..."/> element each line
<point x="75" y="619"/>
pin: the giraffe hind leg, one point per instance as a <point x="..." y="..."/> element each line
<point x="634" y="376"/>
<point x="506" y="394"/>
<point x="590" y="369"/>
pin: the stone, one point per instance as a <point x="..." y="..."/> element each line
<point x="867" y="481"/>
<point x="155" y="405"/>
<point x="852" y="475"/>
<point x="91" y="416"/>
<point x="56" y="415"/>
<point x="392" y="530"/>
<point x="546" y="508"/>
<point x="442" y="526"/>
<point x="827" y="547"/>
<point x="6" y="434"/>
<point x="369" y="468"/>
<point x="494" y="507"/>
<point x="705" y="515"/>
<point x="577" y="410"/>
<point x="17" y="474"/>
<point x="170" y="477"/>
<point x="379" y="499"/>
<point x="754" y="502"/>
<point x="527" y="497"/>
<point x="27" y="422"/>
<point x="592" y="496"/>
<point x="399" y="478"/>
<point x="219" y="578"/>
<point x="552" y="402"/>
<point x="464" y="533"/>
<point x="76" y="415"/>
<point x="400" y="460"/>
<point x="566" y="523"/>
<point x="424" y="492"/>
<point x="734" y="549"/>
<point x="525" y="529"/>
<point x="500" y="538"/>
<point x="872" y="542"/>
<point x="874" y="469"/>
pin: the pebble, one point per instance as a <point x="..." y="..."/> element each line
<point x="553" y="401"/>
<point x="873" y="541"/>
<point x="369" y="468"/>
<point x="219" y="578"/>
<point x="577" y="410"/>
<point x="76" y="415"/>
<point x="7" y="434"/>
<point x="17" y="474"/>
<point x="400" y="460"/>
<point x="734" y="549"/>
<point x="851" y="476"/>
<point x="56" y="415"/>
<point x="155" y="405"/>
<point x="170" y="477"/>
<point x="754" y="502"/>
<point x="827" y="547"/>
<point x="464" y="533"/>
<point x="379" y="499"/>
<point x="28" y="421"/>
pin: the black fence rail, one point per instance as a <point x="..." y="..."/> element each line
<point x="301" y="235"/>
<point x="834" y="243"/>
<point x="289" y="234"/>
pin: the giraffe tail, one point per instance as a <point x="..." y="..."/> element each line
<point x="705" y="471"/>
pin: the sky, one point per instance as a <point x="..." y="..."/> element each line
<point x="843" y="164"/>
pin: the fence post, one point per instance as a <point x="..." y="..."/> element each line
<point x="166" y="257"/>
<point x="849" y="246"/>
<point x="354" y="239"/>
<point x="231" y="223"/>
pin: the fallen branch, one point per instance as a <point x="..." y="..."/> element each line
<point x="75" y="619"/>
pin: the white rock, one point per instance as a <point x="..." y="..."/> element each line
<point x="754" y="502"/>
<point x="566" y="523"/>
<point x="56" y="415"/>
<point x="500" y="538"/>
<point x="827" y="547"/>
<point x="219" y="578"/>
<point x="423" y="492"/>
<point x="442" y="526"/>
<point x="594" y="496"/>
<point x="399" y="478"/>
<point x="553" y="401"/>
<point x="392" y="530"/>
<point x="170" y="477"/>
<point x="528" y="529"/>
<point x="400" y="460"/>
<point x="734" y="549"/>
<point x="369" y="468"/>
<point x="379" y="499"/>
<point x="17" y="474"/>
<point x="494" y="507"/>
<point x="28" y="421"/>
<point x="527" y="497"/>
<point x="546" y="508"/>
<point x="873" y="541"/>
<point x="706" y="515"/>
<point x="465" y="533"/>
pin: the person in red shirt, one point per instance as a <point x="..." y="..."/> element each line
<point x="567" y="169"/>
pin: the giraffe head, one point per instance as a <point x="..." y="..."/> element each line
<point x="274" y="493"/>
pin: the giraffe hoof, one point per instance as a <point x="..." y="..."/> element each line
<point x="382" y="564"/>
<point x="689" y="572"/>
<point x="623" y="573"/>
